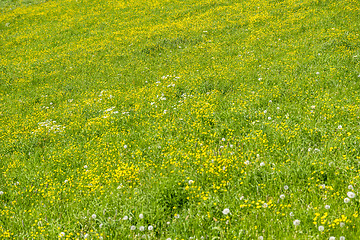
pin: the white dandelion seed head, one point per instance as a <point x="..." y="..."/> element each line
<point x="317" y="73"/>
<point x="177" y="215"/>
<point x="296" y="222"/>
<point x="101" y="225"/>
<point x="125" y="146"/>
<point x="265" y="205"/>
<point x="141" y="216"/>
<point x="269" y="118"/>
<point x="291" y="214"/>
<point x="331" y="238"/>
<point x="350" y="187"/>
<point x="191" y="182"/>
<point x="150" y="228"/>
<point x="125" y="218"/>
<point x="141" y="228"/>
<point x="246" y="162"/>
<point x="286" y="187"/>
<point x="321" y="228"/>
<point x="346" y="200"/>
<point x="340" y="127"/>
<point x="86" y="236"/>
<point x="132" y="228"/>
<point x="327" y="206"/>
<point x="223" y="139"/>
<point x="351" y="194"/>
<point x="226" y="211"/>
<point x="262" y="164"/>
<point x="261" y="238"/>
<point x="1" y="193"/>
<point x="62" y="234"/>
<point x="93" y="216"/>
<point x="85" y="166"/>
<point x="342" y="224"/>
<point x="342" y="238"/>
<point x="282" y="196"/>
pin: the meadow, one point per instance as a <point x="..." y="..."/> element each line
<point x="186" y="119"/>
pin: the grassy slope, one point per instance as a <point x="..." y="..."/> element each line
<point x="69" y="61"/>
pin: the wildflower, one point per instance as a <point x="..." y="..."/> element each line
<point x="177" y="216"/>
<point x="313" y="107"/>
<point x="270" y="101"/>
<point x="327" y="206"/>
<point x="346" y="200"/>
<point x="141" y="216"/>
<point x="86" y="236"/>
<point x="291" y="214"/>
<point x="226" y="211"/>
<point x="296" y="222"/>
<point x="350" y="187"/>
<point x="265" y="205"/>
<point x="125" y="146"/>
<point x="342" y="224"/>
<point x="321" y="228"/>
<point x="191" y="182"/>
<point x="331" y="238"/>
<point x="286" y="187"/>
<point x="1" y="192"/>
<point x="125" y="218"/>
<point x="85" y="166"/>
<point x="93" y="216"/>
<point x="262" y="164"/>
<point x="150" y="228"/>
<point x="141" y="228"/>
<point x="282" y="196"/>
<point x="342" y="238"/>
<point x="261" y="238"/>
<point x="101" y="225"/>
<point x="66" y="181"/>
<point x="317" y="73"/>
<point x="62" y="234"/>
<point x="132" y="228"/>
<point x="340" y="127"/>
<point x="265" y="111"/>
<point x="269" y="118"/>
<point x="223" y="139"/>
<point x="277" y="108"/>
<point x="351" y="194"/>
<point x="246" y="162"/>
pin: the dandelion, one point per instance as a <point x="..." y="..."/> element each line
<point x="1" y="193"/>
<point x="331" y="238"/>
<point x="265" y="205"/>
<point x="261" y="238"/>
<point x="141" y="228"/>
<point x="125" y="218"/>
<point x="286" y="187"/>
<point x="317" y="73"/>
<point x="101" y="225"/>
<point x="223" y="139"/>
<point x="66" y="181"/>
<point x="350" y="187"/>
<point x="346" y="200"/>
<point x="342" y="224"/>
<point x="321" y="228"/>
<point x="191" y="182"/>
<point x="313" y="107"/>
<point x="132" y="228"/>
<point x="340" y="127"/>
<point x="269" y="118"/>
<point x="246" y="162"/>
<point x="342" y="238"/>
<point x="141" y="216"/>
<point x="85" y="166"/>
<point x="291" y="214"/>
<point x="86" y="236"/>
<point x="296" y="222"/>
<point x="327" y="206"/>
<point x="177" y="216"/>
<point x="282" y="196"/>
<point x="125" y="146"/>
<point x="93" y="216"/>
<point x="226" y="211"/>
<point x="150" y="228"/>
<point x="62" y="234"/>
<point x="262" y="164"/>
<point x="351" y="194"/>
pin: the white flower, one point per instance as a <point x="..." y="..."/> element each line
<point x="66" y="181"/>
<point x="286" y="187"/>
<point x="168" y="239"/>
<point x="1" y="192"/>
<point x="350" y="187"/>
<point x="226" y="211"/>
<point x="321" y="228"/>
<point x="327" y="206"/>
<point x="282" y="196"/>
<point x="331" y="238"/>
<point x="291" y="214"/>
<point x="340" y="127"/>
<point x="223" y="139"/>
<point x="86" y="235"/>
<point x="270" y="101"/>
<point x="125" y="218"/>
<point x="296" y="222"/>
<point x="278" y="108"/>
<point x="262" y="164"/>
<point x="265" y="111"/>
<point x="313" y="107"/>
<point x="177" y="216"/>
<point x="132" y="228"/>
<point x="150" y="228"/>
<point x="246" y="162"/>
<point x="342" y="224"/>
<point x="125" y="146"/>
<point x="346" y="200"/>
<point x="93" y="216"/>
<point x="351" y="194"/>
<point x="265" y="205"/>
<point x="141" y="228"/>
<point x="141" y="216"/>
<point x="317" y="73"/>
<point x="101" y="225"/>
<point x="342" y="238"/>
<point x="62" y="234"/>
<point x="191" y="182"/>
<point x="85" y="166"/>
<point x="261" y="238"/>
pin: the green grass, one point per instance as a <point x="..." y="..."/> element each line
<point x="179" y="111"/>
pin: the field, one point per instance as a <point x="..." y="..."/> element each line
<point x="178" y="119"/>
